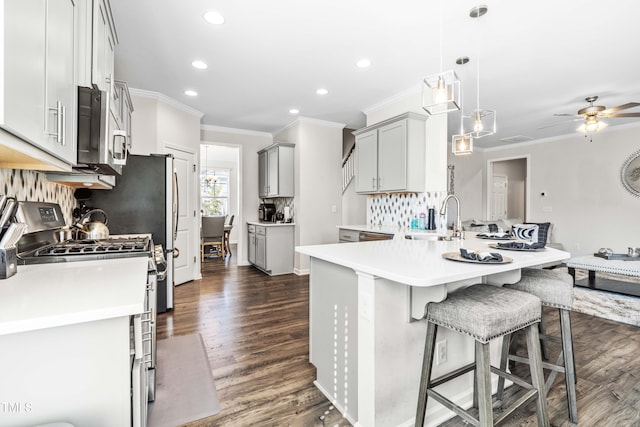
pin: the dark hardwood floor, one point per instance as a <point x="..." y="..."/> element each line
<point x="255" y="328"/>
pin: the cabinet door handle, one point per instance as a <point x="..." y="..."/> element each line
<point x="63" y="128"/>
<point x="373" y="183"/>
<point x="379" y="182"/>
<point x="59" y="116"/>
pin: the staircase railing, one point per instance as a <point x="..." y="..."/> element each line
<point x="348" y="169"/>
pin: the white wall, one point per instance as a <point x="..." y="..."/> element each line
<point x="589" y="206"/>
<point x="318" y="183"/>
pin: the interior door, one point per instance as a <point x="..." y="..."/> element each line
<point x="187" y="240"/>
<point x="499" y="190"/>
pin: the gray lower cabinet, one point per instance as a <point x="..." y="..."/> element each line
<point x="271" y="247"/>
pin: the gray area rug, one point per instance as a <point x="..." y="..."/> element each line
<point x="185" y="390"/>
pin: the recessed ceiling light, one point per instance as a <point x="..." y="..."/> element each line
<point x="294" y="111"/>
<point x="214" y="17"/>
<point x="191" y="93"/>
<point x="322" y="91"/>
<point x="478" y="11"/>
<point x="363" y="63"/>
<point x="200" y="65"/>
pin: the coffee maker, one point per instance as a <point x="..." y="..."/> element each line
<point x="266" y="211"/>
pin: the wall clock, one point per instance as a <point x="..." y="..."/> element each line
<point x="630" y="174"/>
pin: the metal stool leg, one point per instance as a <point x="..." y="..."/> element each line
<point x="537" y="376"/>
<point x="425" y="378"/>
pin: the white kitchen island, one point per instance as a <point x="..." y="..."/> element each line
<point x="366" y="339"/>
<point x="65" y="342"/>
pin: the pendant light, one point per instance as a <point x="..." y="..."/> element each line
<point x="462" y="143"/>
<point x="480" y="122"/>
<point x="207" y="179"/>
<point x="441" y="92"/>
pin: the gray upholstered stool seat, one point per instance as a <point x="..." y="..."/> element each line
<point x="555" y="289"/>
<point x="484" y="312"/>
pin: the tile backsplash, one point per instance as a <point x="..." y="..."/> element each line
<point x="398" y="209"/>
<point x="33" y="186"/>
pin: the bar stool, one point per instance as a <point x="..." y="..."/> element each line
<point x="555" y="289"/>
<point x="484" y="312"/>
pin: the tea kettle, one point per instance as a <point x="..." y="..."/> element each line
<point x="93" y="230"/>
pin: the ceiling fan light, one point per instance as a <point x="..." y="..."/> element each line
<point x="591" y="124"/>
<point x="462" y="144"/>
<point x="441" y="93"/>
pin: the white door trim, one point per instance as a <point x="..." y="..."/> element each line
<point x="487" y="189"/>
<point x="239" y="219"/>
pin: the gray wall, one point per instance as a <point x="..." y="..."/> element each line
<point x="584" y="197"/>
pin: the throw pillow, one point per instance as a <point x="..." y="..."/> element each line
<point x="532" y="232"/>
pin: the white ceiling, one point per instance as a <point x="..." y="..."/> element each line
<point x="537" y="58"/>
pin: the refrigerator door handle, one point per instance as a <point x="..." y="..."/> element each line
<point x="176" y="204"/>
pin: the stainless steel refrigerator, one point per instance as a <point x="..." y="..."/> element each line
<point x="144" y="200"/>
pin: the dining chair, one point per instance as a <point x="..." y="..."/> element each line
<point x="227" y="232"/>
<point x="212" y="235"/>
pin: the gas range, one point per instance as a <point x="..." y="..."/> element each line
<point x="86" y="250"/>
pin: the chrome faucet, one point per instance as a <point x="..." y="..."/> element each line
<point x="457" y="227"/>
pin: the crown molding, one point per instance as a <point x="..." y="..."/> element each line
<point x="164" y="98"/>
<point x="311" y="121"/>
<point x="212" y="128"/>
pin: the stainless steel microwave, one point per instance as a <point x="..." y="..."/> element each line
<point x="101" y="146"/>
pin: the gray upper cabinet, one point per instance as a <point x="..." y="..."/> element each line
<point x="390" y="156"/>
<point x="104" y="42"/>
<point x="39" y="99"/>
<point x="275" y="171"/>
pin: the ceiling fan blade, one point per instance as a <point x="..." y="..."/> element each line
<point x="620" y="107"/>
<point x="619" y="115"/>
<point x="564" y="115"/>
<point x="561" y="123"/>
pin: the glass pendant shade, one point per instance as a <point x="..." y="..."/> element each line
<point x="591" y="124"/>
<point x="481" y="123"/>
<point x="462" y="144"/>
<point x="441" y="93"/>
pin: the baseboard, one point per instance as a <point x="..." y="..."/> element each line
<point x="339" y="407"/>
<point x="301" y="271"/>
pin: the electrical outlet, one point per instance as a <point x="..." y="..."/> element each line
<point x="441" y="352"/>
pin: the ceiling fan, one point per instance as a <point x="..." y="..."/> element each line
<point x="593" y="113"/>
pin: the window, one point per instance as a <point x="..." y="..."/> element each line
<point x="214" y="193"/>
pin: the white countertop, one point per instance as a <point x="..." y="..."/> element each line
<point x="271" y="224"/>
<point x="420" y="262"/>
<point x="58" y="294"/>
